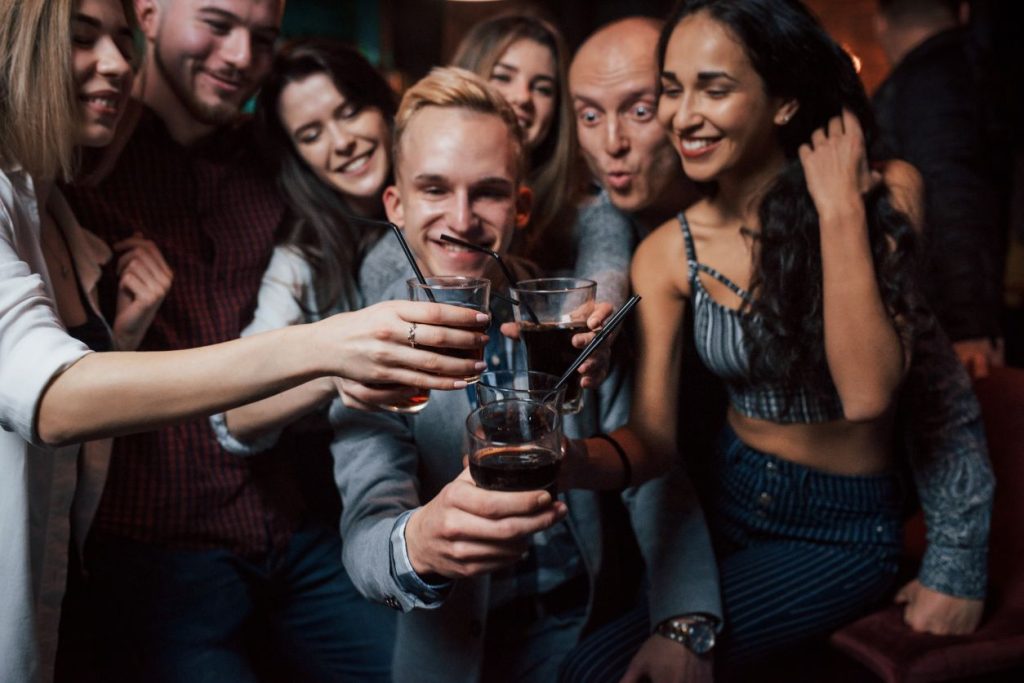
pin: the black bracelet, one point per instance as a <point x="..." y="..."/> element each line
<point x="627" y="468"/>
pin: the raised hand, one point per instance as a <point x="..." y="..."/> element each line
<point x="144" y="278"/>
<point x="836" y="164"/>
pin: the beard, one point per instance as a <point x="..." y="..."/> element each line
<point x="217" y="114"/>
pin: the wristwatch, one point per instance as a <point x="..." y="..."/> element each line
<point x="695" y="631"/>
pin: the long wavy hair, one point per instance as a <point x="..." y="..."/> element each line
<point x="554" y="169"/>
<point x="796" y="59"/>
<point x="321" y="228"/>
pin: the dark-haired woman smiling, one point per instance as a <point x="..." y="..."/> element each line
<point x="800" y="274"/>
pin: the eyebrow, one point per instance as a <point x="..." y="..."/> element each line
<point x="86" y="19"/>
<point x="95" y="23"/>
<point x="631" y="96"/>
<point x="234" y="18"/>
<point x="712" y="75"/>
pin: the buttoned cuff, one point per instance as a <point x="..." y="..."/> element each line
<point x="417" y="591"/>
<point x="960" y="572"/>
<point x="232" y="444"/>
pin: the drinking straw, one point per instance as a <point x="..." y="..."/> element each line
<point x="512" y="282"/>
<point x="608" y="328"/>
<point x="412" y="259"/>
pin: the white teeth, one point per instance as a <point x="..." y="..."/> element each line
<point x="454" y="247"/>
<point x="356" y="164"/>
<point x="103" y="101"/>
<point x="694" y="145"/>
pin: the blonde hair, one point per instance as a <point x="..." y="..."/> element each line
<point x="39" y="111"/>
<point x="554" y="164"/>
<point x="456" y="88"/>
<point x="38" y="107"/>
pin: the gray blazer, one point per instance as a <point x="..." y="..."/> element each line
<point x="386" y="464"/>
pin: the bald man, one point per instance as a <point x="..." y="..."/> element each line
<point x="613" y="81"/>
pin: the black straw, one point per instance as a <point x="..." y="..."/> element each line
<point x="608" y="328"/>
<point x="412" y="259"/>
<point x="509" y="275"/>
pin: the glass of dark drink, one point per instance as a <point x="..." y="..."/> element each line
<point x="514" y="445"/>
<point x="550" y="313"/>
<point x="499" y="385"/>
<point x="457" y="290"/>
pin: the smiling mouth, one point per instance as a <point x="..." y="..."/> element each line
<point x="692" y="148"/>
<point x="355" y="165"/>
<point x="224" y="83"/>
<point x="458" y="249"/>
<point x="103" y="104"/>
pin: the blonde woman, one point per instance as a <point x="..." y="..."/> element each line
<point x="65" y="80"/>
<point x="526" y="60"/>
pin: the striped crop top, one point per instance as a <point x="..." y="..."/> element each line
<point x="719" y="340"/>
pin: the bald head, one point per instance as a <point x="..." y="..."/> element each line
<point x="613" y="81"/>
<point x="624" y="44"/>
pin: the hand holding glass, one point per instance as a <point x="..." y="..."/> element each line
<point x="514" y="445"/>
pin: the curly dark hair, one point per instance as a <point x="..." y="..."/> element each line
<point x="796" y="59"/>
<point x="321" y="227"/>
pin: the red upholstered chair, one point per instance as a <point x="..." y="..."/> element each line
<point x="886" y="646"/>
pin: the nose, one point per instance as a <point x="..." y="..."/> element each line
<point x="616" y="142"/>
<point x="461" y="219"/>
<point x="343" y="142"/>
<point x="111" y="62"/>
<point x="687" y="114"/>
<point x="236" y="49"/>
<point x="520" y="94"/>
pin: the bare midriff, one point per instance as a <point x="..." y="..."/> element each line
<point x="836" y="447"/>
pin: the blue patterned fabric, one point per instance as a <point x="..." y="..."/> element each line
<point x="718" y="336"/>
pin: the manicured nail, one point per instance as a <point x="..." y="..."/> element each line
<point x="482" y="317"/>
<point x="459" y="384"/>
<point x="480" y="365"/>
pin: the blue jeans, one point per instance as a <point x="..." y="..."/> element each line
<point x="800" y="553"/>
<point x="176" y="617"/>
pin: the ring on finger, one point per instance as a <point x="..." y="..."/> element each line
<point x="411" y="337"/>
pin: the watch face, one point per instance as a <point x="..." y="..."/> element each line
<point x="701" y="637"/>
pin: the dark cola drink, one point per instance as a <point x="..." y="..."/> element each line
<point x="549" y="349"/>
<point x="527" y="467"/>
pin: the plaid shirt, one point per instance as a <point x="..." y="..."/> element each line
<point x="213" y="211"/>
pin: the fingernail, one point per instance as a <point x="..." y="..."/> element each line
<point x="544" y="498"/>
<point x="484" y="338"/>
<point x="480" y="365"/>
<point x="459" y="384"/>
<point x="482" y="317"/>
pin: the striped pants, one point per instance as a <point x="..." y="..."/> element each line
<point x="800" y="552"/>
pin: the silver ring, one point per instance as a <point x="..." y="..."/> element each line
<point x="411" y="337"/>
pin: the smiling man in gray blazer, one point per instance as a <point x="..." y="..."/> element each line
<point x="494" y="586"/>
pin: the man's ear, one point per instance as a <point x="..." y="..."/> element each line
<point x="524" y="203"/>
<point x="393" y="205"/>
<point x="785" y="112"/>
<point x="148" y="13"/>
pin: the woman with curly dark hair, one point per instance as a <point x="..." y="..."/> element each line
<point x="800" y="273"/>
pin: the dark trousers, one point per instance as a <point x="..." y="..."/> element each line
<point x="800" y="553"/>
<point x="155" y="615"/>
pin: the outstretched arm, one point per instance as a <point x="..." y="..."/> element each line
<point x="116" y="393"/>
